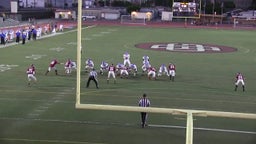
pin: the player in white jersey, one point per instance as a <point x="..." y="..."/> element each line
<point x="31" y="71"/>
<point x="11" y="35"/>
<point x="124" y="72"/>
<point x="239" y="79"/>
<point x="73" y="65"/>
<point x="89" y="65"/>
<point x="61" y="27"/>
<point x="145" y="59"/>
<point x="162" y="70"/>
<point x="118" y="68"/>
<point x="133" y="69"/>
<point x="39" y="32"/>
<point x="103" y="67"/>
<point x="126" y="57"/>
<point x="145" y="67"/>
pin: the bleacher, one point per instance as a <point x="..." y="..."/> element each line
<point x="10" y="22"/>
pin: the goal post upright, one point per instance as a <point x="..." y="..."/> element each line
<point x="79" y="51"/>
<point x="189" y="128"/>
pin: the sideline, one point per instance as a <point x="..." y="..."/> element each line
<point x="44" y="36"/>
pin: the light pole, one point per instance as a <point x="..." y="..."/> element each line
<point x="213" y="13"/>
<point x="204" y="11"/>
<point x="222" y="6"/>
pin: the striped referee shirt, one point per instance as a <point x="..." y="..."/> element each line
<point x="144" y="102"/>
<point x="93" y="73"/>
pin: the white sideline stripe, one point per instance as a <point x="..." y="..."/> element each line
<point x="204" y="129"/>
<point x="48" y="141"/>
<point x="129" y="124"/>
<point x="45" y="36"/>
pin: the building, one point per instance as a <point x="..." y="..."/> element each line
<point x="5" y="4"/>
<point x="31" y="3"/>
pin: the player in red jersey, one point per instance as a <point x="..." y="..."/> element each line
<point x="111" y="72"/>
<point x="52" y="65"/>
<point x="68" y="66"/>
<point x="31" y="71"/>
<point x="172" y="71"/>
<point x="239" y="79"/>
<point x="152" y="73"/>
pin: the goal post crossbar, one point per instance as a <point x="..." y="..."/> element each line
<point x="201" y="113"/>
<point x="189" y="113"/>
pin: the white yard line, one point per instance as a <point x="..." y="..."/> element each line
<point x="36" y="112"/>
<point x="129" y="124"/>
<point x="204" y="129"/>
<point x="48" y="141"/>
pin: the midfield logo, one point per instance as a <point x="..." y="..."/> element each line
<point x="186" y="47"/>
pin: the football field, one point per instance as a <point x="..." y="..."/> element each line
<point x="207" y="61"/>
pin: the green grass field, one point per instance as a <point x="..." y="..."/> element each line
<point x="45" y="113"/>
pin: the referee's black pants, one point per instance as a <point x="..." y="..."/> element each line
<point x="143" y="118"/>
<point x="95" y="81"/>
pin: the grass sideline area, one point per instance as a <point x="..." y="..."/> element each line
<point x="45" y="113"/>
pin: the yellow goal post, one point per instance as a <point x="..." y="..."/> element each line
<point x="187" y="112"/>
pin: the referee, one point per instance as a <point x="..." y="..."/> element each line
<point x="144" y="102"/>
<point x="92" y="76"/>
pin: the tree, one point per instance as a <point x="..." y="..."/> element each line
<point x="253" y="5"/>
<point x="132" y="8"/>
<point x="165" y="3"/>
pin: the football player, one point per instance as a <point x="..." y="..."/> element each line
<point x="103" y="67"/>
<point x="145" y="66"/>
<point x="126" y="57"/>
<point x="151" y="73"/>
<point x="172" y="71"/>
<point x="111" y="72"/>
<point x="68" y="66"/>
<point x="133" y="69"/>
<point x="52" y="65"/>
<point x="89" y="65"/>
<point x="162" y="70"/>
<point x="31" y="71"/>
